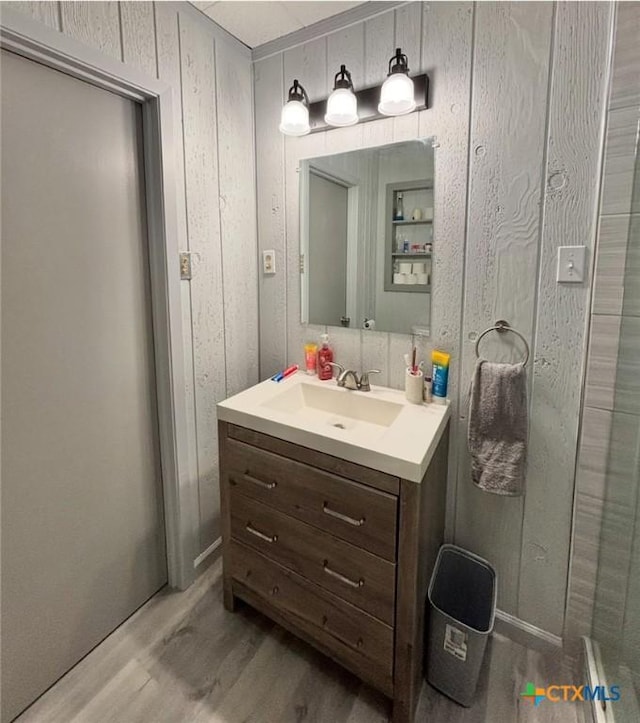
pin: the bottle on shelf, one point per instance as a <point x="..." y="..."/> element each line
<point x="399" y="212"/>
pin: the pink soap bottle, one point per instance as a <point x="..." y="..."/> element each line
<point x="325" y="357"/>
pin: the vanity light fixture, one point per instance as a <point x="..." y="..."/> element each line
<point x="294" y="120"/>
<point x="397" y="95"/>
<point x="342" y="104"/>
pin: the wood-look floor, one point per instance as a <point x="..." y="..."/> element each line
<point x="183" y="659"/>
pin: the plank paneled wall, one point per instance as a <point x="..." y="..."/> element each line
<point x="212" y="77"/>
<point x="517" y="102"/>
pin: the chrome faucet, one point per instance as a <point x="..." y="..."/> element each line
<point x="349" y="379"/>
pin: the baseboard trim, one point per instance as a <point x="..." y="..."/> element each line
<point x="526" y="634"/>
<point x="202" y="557"/>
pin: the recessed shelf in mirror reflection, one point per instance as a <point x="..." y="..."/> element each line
<point x="351" y="239"/>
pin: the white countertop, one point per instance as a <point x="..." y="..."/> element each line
<point x="404" y="448"/>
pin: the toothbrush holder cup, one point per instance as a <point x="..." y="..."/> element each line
<point x="413" y="386"/>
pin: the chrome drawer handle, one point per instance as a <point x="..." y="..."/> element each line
<point x="345" y="518"/>
<point x="267" y="538"/>
<point x="259" y="482"/>
<point x="342" y="578"/>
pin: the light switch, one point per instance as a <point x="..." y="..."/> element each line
<point x="571" y="264"/>
<point x="269" y="262"/>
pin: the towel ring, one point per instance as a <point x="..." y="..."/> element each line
<point x="501" y="326"/>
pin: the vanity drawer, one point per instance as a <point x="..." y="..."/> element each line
<point x="320" y="460"/>
<point x="353" y="574"/>
<point x="354" y="512"/>
<point x="352" y="636"/>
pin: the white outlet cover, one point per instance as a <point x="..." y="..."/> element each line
<point x="571" y="264"/>
<point x="269" y="262"/>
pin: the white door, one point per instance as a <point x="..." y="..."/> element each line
<point x="82" y="511"/>
<point x="328" y="208"/>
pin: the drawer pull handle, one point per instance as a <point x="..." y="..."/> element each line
<point x="345" y="518"/>
<point x="342" y="578"/>
<point x="267" y="538"/>
<point x="259" y="482"/>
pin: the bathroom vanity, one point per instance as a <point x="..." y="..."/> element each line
<point x="332" y="514"/>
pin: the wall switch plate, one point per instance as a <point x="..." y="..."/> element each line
<point x="269" y="262"/>
<point x="571" y="264"/>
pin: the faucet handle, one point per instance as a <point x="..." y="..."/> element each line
<point x="339" y="367"/>
<point x="364" y="379"/>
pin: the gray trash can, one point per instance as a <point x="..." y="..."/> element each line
<point x="462" y="601"/>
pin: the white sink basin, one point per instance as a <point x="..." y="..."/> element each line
<point x="332" y="406"/>
<point x="378" y="429"/>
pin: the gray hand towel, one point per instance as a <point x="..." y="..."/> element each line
<point x="498" y="427"/>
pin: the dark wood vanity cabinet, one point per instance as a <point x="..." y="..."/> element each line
<point x="337" y="553"/>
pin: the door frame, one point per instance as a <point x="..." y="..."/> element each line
<point x="352" y="184"/>
<point x="22" y="35"/>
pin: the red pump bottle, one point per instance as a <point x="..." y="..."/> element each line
<point x="325" y="357"/>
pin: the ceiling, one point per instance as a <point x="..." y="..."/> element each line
<point x="255" y="23"/>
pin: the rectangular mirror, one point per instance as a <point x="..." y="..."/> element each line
<point x="366" y="234"/>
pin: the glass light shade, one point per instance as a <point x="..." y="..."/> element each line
<point x="396" y="95"/>
<point x="342" y="108"/>
<point x="294" y="120"/>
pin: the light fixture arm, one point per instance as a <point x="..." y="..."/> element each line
<point x="297" y="92"/>
<point x="342" y="79"/>
<point x="401" y="64"/>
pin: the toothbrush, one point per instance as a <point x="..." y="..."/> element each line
<point x="411" y="365"/>
<point x="286" y="373"/>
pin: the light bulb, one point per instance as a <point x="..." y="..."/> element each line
<point x="342" y="108"/>
<point x="396" y="95"/>
<point x="294" y="120"/>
